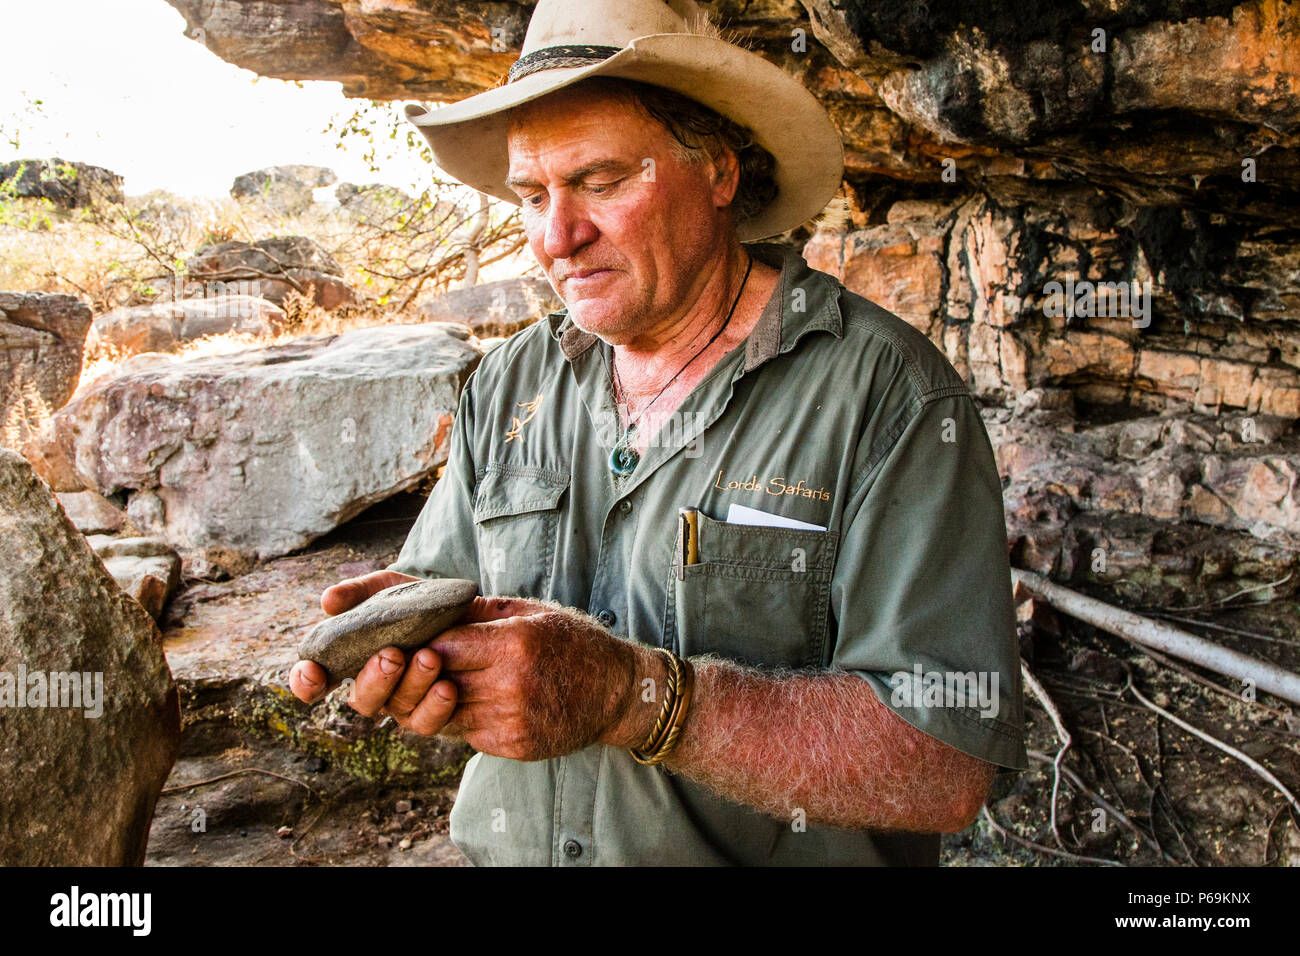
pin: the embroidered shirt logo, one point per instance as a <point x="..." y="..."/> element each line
<point x="517" y="423"/>
<point x="773" y="486"/>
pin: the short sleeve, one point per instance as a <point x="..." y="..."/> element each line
<point x="442" y="543"/>
<point x="922" y="587"/>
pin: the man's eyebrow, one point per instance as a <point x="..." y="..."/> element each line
<point x="594" y="168"/>
<point x="577" y="175"/>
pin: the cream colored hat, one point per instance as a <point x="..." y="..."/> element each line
<point x="667" y="44"/>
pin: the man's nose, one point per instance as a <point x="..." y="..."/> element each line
<point x="567" y="229"/>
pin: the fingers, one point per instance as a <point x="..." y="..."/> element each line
<point x="348" y="594"/>
<point x="421" y="702"/>
<point x="475" y="725"/>
<point x="377" y="681"/>
<point x="307" y="680"/>
<point x="431" y="713"/>
<point x="414" y="685"/>
<point x="412" y="694"/>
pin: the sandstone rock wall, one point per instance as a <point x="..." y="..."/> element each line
<point x="977" y="275"/>
<point x="992" y="148"/>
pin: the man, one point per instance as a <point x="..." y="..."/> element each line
<point x="788" y="672"/>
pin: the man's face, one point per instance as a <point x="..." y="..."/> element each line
<point x="623" y="228"/>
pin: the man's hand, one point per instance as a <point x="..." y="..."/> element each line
<point x="307" y="679"/>
<point x="532" y="680"/>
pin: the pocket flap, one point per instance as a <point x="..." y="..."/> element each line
<point x="515" y="489"/>
<point x="741" y="546"/>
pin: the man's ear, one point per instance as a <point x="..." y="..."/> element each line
<point x="725" y="177"/>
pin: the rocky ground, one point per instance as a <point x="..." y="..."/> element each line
<point x="265" y="780"/>
<point x="236" y="799"/>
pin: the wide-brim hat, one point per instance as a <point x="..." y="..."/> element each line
<point x="667" y="44"/>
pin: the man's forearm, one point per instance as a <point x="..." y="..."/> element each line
<point x="826" y="745"/>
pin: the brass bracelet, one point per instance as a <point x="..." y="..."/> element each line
<point x="664" y="720"/>
<point x="661" y="743"/>
<point x="664" y="746"/>
<point x="684" y="693"/>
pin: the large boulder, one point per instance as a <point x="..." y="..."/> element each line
<point x="275" y="254"/>
<point x="65" y="184"/>
<point x="493" y="308"/>
<point x="89" y="719"/>
<point x="165" y="326"/>
<point x="275" y="267"/>
<point x="254" y="454"/>
<point x="42" y="336"/>
<point x="284" y="189"/>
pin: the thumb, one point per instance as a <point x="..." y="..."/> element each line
<point x="348" y="594"/>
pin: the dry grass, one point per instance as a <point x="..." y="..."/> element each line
<point x="113" y="256"/>
<point x="122" y="255"/>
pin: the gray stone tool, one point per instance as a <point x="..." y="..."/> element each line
<point x="406" y="615"/>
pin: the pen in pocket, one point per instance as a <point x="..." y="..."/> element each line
<point x="688" y="520"/>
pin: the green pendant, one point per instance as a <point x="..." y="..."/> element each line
<point x="623" y="459"/>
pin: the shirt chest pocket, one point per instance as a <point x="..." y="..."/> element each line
<point x="516" y="522"/>
<point x="758" y="596"/>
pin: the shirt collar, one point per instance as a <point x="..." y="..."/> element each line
<point x="804" y="301"/>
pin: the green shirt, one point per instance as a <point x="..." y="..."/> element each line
<point x="833" y="412"/>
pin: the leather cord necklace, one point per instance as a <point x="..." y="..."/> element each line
<point x="624" y="458"/>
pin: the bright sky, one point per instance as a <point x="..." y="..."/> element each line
<point x="123" y="87"/>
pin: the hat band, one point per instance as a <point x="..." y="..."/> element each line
<point x="554" y="57"/>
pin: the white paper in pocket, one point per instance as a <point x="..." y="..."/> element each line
<point x="740" y="514"/>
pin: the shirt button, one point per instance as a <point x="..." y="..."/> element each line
<point x="625" y="506"/>
<point x="606" y="618"/>
<point x="572" y="849"/>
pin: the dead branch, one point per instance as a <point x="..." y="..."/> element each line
<point x="1101" y="801"/>
<point x="1258" y="768"/>
<point x="1038" y="847"/>
<point x="236" y="773"/>
<point x="1147" y="633"/>
<point x="1221" y="602"/>
<point x="1206" y="682"/>
<point x="1066" y="740"/>
<point x="1268" y="834"/>
<point x="1240" y="632"/>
